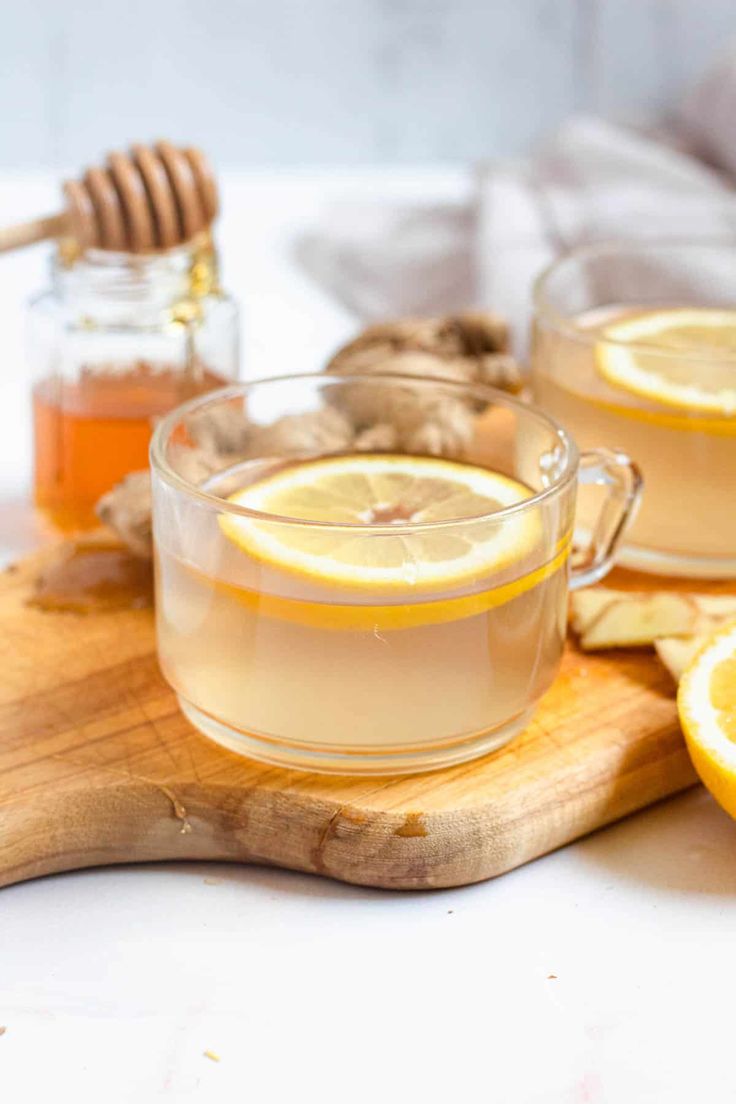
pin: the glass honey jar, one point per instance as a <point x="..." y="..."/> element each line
<point x="116" y="341"/>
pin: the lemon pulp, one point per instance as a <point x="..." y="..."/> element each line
<point x="344" y="496"/>
<point x="707" y="706"/>
<point x="692" y="365"/>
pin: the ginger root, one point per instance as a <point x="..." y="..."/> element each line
<point x="471" y="348"/>
<point x="605" y="618"/>
<point x="127" y="510"/>
<point x="678" y="652"/>
<point x="314" y="433"/>
<point x="467" y="348"/>
<point x="362" y="416"/>
<point x="675" y="624"/>
<point x="219" y="430"/>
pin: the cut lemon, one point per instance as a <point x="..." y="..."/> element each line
<point x="693" y="361"/>
<point x="707" y="705"/>
<point x="390" y="616"/>
<point x="395" y="492"/>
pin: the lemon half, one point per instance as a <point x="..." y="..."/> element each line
<point x="698" y="372"/>
<point x="395" y="492"/>
<point x="707" y="706"/>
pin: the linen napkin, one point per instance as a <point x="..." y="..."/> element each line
<point x="593" y="181"/>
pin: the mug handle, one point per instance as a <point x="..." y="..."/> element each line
<point x="623" y="481"/>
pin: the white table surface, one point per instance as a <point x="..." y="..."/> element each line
<point x="602" y="973"/>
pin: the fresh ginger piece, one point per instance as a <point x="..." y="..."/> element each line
<point x="617" y="619"/>
<point x="606" y="618"/>
<point x="586" y="605"/>
<point x="127" y="509"/>
<point x="716" y="607"/>
<point x="678" y="652"/>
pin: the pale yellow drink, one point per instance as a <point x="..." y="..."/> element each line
<point x="290" y="659"/>
<point x="687" y="520"/>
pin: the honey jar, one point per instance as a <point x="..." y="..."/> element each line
<point x="116" y="341"/>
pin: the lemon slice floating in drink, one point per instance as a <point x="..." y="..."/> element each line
<point x="393" y="492"/>
<point x="707" y="706"/>
<point x="692" y="364"/>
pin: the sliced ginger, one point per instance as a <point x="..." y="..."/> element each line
<point x="677" y="625"/>
<point x="605" y="618"/>
<point x="678" y="652"/>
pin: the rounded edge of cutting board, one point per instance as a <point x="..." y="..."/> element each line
<point x="98" y="766"/>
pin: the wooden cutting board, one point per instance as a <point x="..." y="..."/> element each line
<point x="97" y="766"/>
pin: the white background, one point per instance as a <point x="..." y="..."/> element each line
<point x="114" y="983"/>
<point x="264" y="82"/>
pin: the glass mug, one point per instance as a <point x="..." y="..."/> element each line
<point x="364" y="612"/>
<point x="687" y="452"/>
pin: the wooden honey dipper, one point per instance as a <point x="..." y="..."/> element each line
<point x="152" y="198"/>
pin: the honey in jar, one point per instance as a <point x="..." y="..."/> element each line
<point x="118" y="341"/>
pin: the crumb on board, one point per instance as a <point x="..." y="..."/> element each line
<point x="3" y="1030"/>
<point x="213" y="881"/>
<point x="213" y="1057"/>
<point x="551" y="977"/>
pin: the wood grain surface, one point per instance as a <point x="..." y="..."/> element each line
<point x="98" y="766"/>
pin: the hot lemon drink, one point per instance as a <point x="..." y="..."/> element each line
<point x="368" y="612"/>
<point x="657" y="381"/>
<point x="340" y="641"/>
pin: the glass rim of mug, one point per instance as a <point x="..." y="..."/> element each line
<point x="566" y="324"/>
<point x="491" y="395"/>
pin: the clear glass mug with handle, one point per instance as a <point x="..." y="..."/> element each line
<point x="635" y="347"/>
<point x="327" y="606"/>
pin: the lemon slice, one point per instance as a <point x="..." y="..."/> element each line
<point x="698" y="372"/>
<point x="394" y="492"/>
<point x="707" y="705"/>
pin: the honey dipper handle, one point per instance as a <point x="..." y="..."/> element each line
<point x="36" y="230"/>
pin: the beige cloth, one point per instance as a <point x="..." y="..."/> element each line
<point x="593" y="181"/>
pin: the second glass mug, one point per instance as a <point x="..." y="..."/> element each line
<point x="307" y="671"/>
<point x="687" y="524"/>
